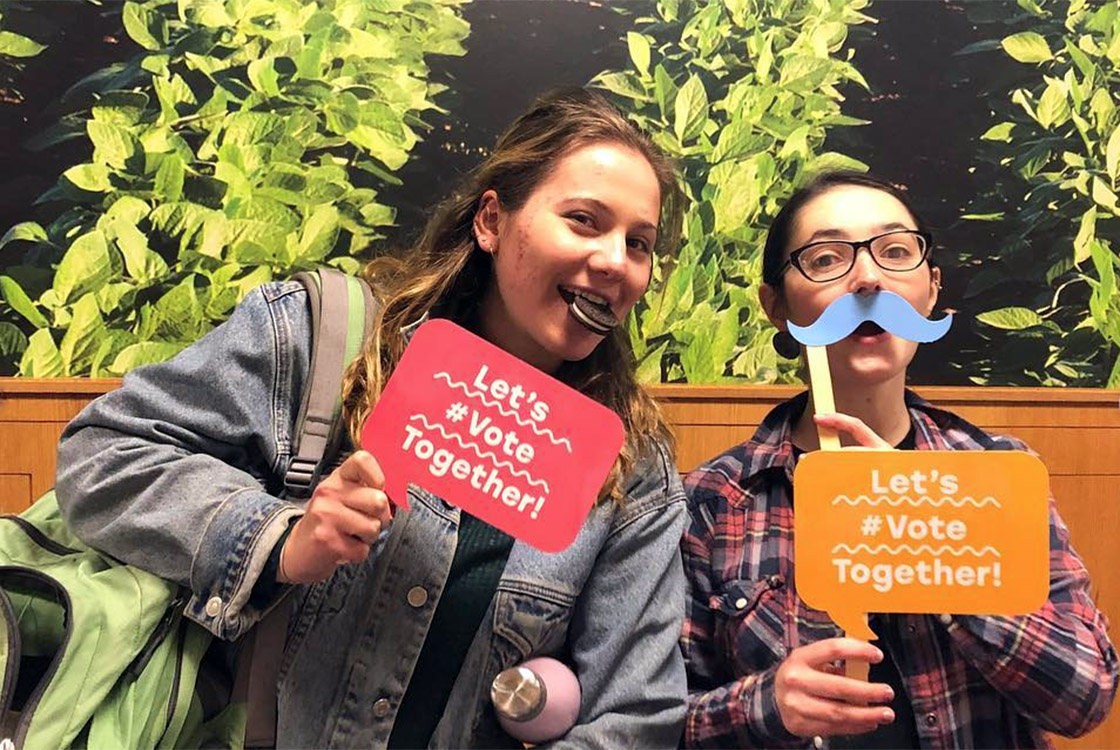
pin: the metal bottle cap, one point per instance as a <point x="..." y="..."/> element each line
<point x="518" y="694"/>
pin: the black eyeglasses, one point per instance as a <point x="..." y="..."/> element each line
<point x="829" y="260"/>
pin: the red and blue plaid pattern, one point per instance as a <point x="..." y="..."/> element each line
<point x="973" y="682"/>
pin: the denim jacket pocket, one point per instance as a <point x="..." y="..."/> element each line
<point x="530" y="619"/>
<point x="750" y="618"/>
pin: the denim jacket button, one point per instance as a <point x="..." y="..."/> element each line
<point x="214" y="606"/>
<point x="417" y="596"/>
<point x="740" y="603"/>
<point x="381" y="708"/>
<point x="818" y="742"/>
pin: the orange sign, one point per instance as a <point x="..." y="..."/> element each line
<point x="960" y="532"/>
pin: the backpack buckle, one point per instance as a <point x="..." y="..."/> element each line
<point x="302" y="475"/>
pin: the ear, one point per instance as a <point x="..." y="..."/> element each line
<point x="934" y="289"/>
<point x="487" y="219"/>
<point x="774" y="305"/>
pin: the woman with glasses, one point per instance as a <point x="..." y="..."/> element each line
<point x="762" y="665"/>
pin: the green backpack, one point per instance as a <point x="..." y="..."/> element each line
<point x="98" y="654"/>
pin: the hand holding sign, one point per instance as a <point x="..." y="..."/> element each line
<point x="344" y="517"/>
<point x="487" y="432"/>
<point x="963" y="532"/>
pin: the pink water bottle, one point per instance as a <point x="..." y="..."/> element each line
<point x="537" y="700"/>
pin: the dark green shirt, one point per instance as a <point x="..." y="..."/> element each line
<point x="480" y="557"/>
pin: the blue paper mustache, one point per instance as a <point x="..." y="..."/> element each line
<point x="889" y="310"/>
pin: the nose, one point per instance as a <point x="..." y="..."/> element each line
<point x="866" y="276"/>
<point x="610" y="257"/>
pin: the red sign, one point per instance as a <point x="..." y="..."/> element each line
<point x="497" y="437"/>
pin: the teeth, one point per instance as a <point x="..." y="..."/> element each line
<point x="590" y="297"/>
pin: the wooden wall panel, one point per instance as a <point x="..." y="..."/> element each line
<point x="1077" y="433"/>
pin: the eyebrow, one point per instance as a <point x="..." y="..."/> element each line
<point x="834" y="234"/>
<point x="642" y="225"/>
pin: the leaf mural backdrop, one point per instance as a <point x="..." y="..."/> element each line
<point x="247" y="141"/>
<point x="742" y="92"/>
<point x="1052" y="311"/>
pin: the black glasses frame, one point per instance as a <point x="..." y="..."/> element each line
<point x="794" y="258"/>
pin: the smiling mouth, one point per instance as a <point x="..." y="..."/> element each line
<point x="590" y="311"/>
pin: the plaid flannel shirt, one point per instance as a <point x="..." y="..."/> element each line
<point x="972" y="681"/>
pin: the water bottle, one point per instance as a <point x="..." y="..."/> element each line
<point x="537" y="700"/>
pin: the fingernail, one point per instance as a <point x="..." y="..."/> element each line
<point x="878" y="655"/>
<point x="888" y="715"/>
<point x="888" y="695"/>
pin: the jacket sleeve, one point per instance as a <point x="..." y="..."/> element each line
<point x="723" y="711"/>
<point x="176" y="472"/>
<point x="1056" y="665"/>
<point x="626" y="654"/>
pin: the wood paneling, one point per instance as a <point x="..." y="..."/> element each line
<point x="1076" y="431"/>
<point x="15" y="492"/>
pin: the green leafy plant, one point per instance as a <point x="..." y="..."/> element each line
<point x="742" y="93"/>
<point x="247" y="140"/>
<point x="1050" y="275"/>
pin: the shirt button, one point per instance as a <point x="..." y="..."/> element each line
<point x="911" y="629"/>
<point x="214" y="606"/>
<point x="381" y="708"/>
<point x="417" y="596"/>
<point x="818" y="742"/>
<point x="931" y="720"/>
<point x="740" y="603"/>
<point x="945" y="620"/>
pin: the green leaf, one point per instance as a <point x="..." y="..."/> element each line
<point x="17" y="45"/>
<point x="93" y="178"/>
<point x="144" y="353"/>
<point x="178" y="314"/>
<point x="112" y="144"/>
<point x="18" y="300"/>
<point x="146" y="28"/>
<point x="82" y="336"/>
<point x="663" y="90"/>
<point x="1112" y="154"/>
<point x="120" y="107"/>
<point x="1027" y="47"/>
<point x="1086" y="233"/>
<point x="12" y="341"/>
<point x="690" y="110"/>
<point x="1053" y="105"/>
<point x="263" y="76"/>
<point x="1000" y="132"/>
<point x="84" y="267"/>
<point x="649" y="369"/>
<point x="319" y="235"/>
<point x="169" y="178"/>
<point x="140" y="261"/>
<point x="1011" y="318"/>
<point x="638" y="44"/>
<point x="1103" y="196"/>
<point x="41" y="358"/>
<point x="27" y="231"/>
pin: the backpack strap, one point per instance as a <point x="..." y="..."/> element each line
<point x="343" y="312"/>
<point x="342" y="315"/>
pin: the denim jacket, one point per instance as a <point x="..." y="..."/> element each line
<point x="180" y="470"/>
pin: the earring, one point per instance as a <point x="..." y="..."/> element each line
<point x="786" y="345"/>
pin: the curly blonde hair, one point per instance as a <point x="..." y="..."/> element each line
<point x="446" y="274"/>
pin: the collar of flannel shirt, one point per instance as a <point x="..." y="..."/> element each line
<point x="934" y="429"/>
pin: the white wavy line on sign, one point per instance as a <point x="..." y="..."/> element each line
<point x="487" y="454"/>
<point x="923" y="500"/>
<point x="968" y="548"/>
<point x="506" y="413"/>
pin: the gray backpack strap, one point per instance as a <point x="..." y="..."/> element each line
<point x="343" y="313"/>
